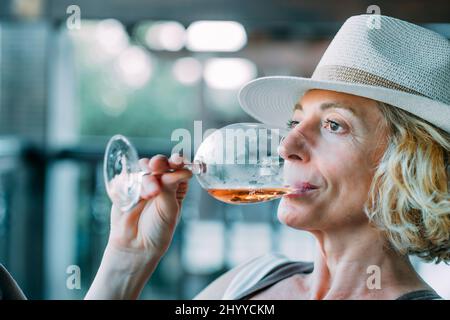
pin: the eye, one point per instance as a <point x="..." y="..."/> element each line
<point x="333" y="126"/>
<point x="292" y="123"/>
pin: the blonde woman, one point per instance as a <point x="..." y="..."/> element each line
<point x="368" y="149"/>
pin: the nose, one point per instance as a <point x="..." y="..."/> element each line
<point x="293" y="147"/>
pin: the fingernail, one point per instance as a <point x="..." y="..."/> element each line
<point x="176" y="158"/>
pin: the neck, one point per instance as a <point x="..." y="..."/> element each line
<point x="348" y="261"/>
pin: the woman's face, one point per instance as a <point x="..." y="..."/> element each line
<point x="334" y="143"/>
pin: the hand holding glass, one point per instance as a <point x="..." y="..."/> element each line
<point x="236" y="164"/>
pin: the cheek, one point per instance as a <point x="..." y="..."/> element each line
<point x="348" y="176"/>
<point x="344" y="164"/>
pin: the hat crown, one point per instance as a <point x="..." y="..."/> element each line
<point x="397" y="53"/>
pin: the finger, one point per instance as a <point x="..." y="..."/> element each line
<point x="159" y="164"/>
<point x="181" y="194"/>
<point x="127" y="217"/>
<point x="150" y="187"/>
<point x="132" y="217"/>
<point x="176" y="161"/>
<point x="183" y="186"/>
<point x="171" y="181"/>
<point x="180" y="201"/>
<point x="143" y="163"/>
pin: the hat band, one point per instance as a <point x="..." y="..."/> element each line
<point x="353" y="75"/>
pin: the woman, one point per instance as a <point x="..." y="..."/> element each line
<point x="368" y="149"/>
<point x="369" y="142"/>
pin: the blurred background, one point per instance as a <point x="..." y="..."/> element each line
<point x="144" y="68"/>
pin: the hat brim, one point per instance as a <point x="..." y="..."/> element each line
<point x="271" y="100"/>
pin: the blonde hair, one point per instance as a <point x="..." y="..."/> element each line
<point x="409" y="197"/>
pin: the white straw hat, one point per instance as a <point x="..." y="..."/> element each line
<point x="399" y="63"/>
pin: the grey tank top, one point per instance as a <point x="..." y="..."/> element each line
<point x="290" y="268"/>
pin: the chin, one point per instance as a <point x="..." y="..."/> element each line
<point x="295" y="215"/>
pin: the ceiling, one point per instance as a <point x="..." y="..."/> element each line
<point x="283" y="18"/>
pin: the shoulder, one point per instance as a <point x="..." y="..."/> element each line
<point x="9" y="290"/>
<point x="240" y="277"/>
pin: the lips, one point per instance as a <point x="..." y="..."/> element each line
<point x="304" y="186"/>
<point x="301" y="189"/>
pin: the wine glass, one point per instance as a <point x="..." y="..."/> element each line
<point x="237" y="164"/>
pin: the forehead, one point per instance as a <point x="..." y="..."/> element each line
<point x="364" y="109"/>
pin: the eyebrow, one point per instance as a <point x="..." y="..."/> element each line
<point x="330" y="105"/>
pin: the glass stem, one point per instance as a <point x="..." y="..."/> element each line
<point x="196" y="167"/>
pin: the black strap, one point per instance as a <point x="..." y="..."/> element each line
<point x="420" y="295"/>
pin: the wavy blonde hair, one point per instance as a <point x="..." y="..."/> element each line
<point x="409" y="197"/>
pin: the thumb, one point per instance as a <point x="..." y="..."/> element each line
<point x="170" y="181"/>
